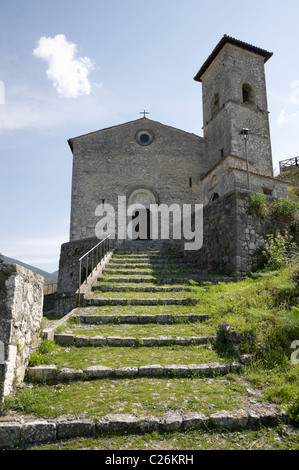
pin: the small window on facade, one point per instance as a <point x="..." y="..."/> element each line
<point x="215" y="104"/>
<point x="247" y="93"/>
<point x="267" y="191"/>
<point x="190" y="182"/>
<point x="215" y="197"/>
<point x="221" y="153"/>
<point x="213" y="180"/>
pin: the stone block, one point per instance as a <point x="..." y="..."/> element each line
<point x="118" y="422"/>
<point x="64" y="339"/>
<point x="172" y="422"/>
<point x="98" y="372"/>
<point x="38" y="431"/>
<point x="176" y="370"/>
<point x="69" y="429"/>
<point x="97" y="341"/>
<point x="10" y="434"/>
<point x="194" y="420"/>
<point x="229" y="419"/>
<point x="126" y="372"/>
<point x="43" y="372"/>
<point x="81" y="341"/>
<point x="69" y="374"/>
<point x="151" y="370"/>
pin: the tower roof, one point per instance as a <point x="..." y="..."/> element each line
<point x="228" y="39"/>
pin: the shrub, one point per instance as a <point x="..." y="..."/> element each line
<point x="259" y="204"/>
<point x="293" y="410"/>
<point x="278" y="250"/>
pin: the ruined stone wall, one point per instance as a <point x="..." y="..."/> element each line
<point x="21" y="311"/>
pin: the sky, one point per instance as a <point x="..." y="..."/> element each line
<point x="70" y="67"/>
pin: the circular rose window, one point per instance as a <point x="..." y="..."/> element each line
<point x="144" y="137"/>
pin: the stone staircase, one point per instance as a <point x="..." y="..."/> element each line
<point x="141" y="330"/>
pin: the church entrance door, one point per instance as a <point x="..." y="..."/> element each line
<point x="141" y="218"/>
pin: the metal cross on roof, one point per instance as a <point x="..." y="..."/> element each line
<point x="144" y="113"/>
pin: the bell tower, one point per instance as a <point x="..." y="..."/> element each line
<point x="235" y="98"/>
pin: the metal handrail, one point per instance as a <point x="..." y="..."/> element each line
<point x="285" y="165"/>
<point x="102" y="248"/>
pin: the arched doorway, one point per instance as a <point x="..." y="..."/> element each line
<point x="139" y="214"/>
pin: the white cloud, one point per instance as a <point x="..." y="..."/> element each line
<point x="69" y="73"/>
<point x="282" y="117"/>
<point x="295" y="95"/>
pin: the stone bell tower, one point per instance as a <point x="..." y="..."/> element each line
<point x="234" y="98"/>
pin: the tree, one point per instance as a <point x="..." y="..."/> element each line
<point x="1" y="258"/>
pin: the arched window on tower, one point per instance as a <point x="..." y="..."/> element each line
<point x="215" y="104"/>
<point x="247" y="93"/>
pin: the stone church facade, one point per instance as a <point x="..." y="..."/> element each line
<point x="151" y="163"/>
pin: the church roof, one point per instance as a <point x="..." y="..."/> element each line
<point x="228" y="39"/>
<point x="144" y="119"/>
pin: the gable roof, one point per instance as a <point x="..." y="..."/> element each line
<point x="70" y="141"/>
<point x="225" y="40"/>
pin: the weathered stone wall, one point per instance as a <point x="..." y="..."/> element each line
<point x="68" y="278"/>
<point x="231" y="69"/>
<point x="232" y="235"/>
<point x="234" y="169"/>
<point x="21" y="311"/>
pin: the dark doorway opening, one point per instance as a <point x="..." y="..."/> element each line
<point x="143" y="231"/>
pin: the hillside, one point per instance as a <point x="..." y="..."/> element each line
<point x="292" y="177"/>
<point x="49" y="277"/>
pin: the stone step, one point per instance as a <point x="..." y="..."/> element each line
<point x="100" y="301"/>
<point x="121" y="288"/>
<point x="149" y="271"/>
<point x="156" y="263"/>
<point x="144" y="279"/>
<point x="66" y="339"/>
<point x="48" y="373"/>
<point x="167" y="319"/>
<point x="38" y="431"/>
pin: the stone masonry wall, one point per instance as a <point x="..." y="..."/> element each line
<point x="232" y="235"/>
<point x="21" y="311"/>
<point x="68" y="278"/>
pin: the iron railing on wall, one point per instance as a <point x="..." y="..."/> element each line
<point x="91" y="260"/>
<point x="286" y="165"/>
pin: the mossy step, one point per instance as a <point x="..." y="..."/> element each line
<point x="67" y="339"/>
<point x="121" y="288"/>
<point x="100" y="301"/>
<point x="49" y="373"/>
<point x="146" y="279"/>
<point x="150" y="271"/>
<point x="32" y="431"/>
<point x="155" y="264"/>
<point x="91" y="318"/>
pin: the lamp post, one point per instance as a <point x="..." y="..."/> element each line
<point x="245" y="133"/>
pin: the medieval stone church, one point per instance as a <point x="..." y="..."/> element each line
<point x="152" y="163"/>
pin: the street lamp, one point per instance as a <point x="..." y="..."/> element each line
<point x="245" y="133"/>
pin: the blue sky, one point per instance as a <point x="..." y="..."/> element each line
<point x="70" y="67"/>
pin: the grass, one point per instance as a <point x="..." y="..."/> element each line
<point x="263" y="439"/>
<point x="262" y="307"/>
<point x="141" y="396"/>
<point x="148" y="330"/>
<point x="117" y="357"/>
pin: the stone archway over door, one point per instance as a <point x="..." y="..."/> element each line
<point x="146" y="198"/>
